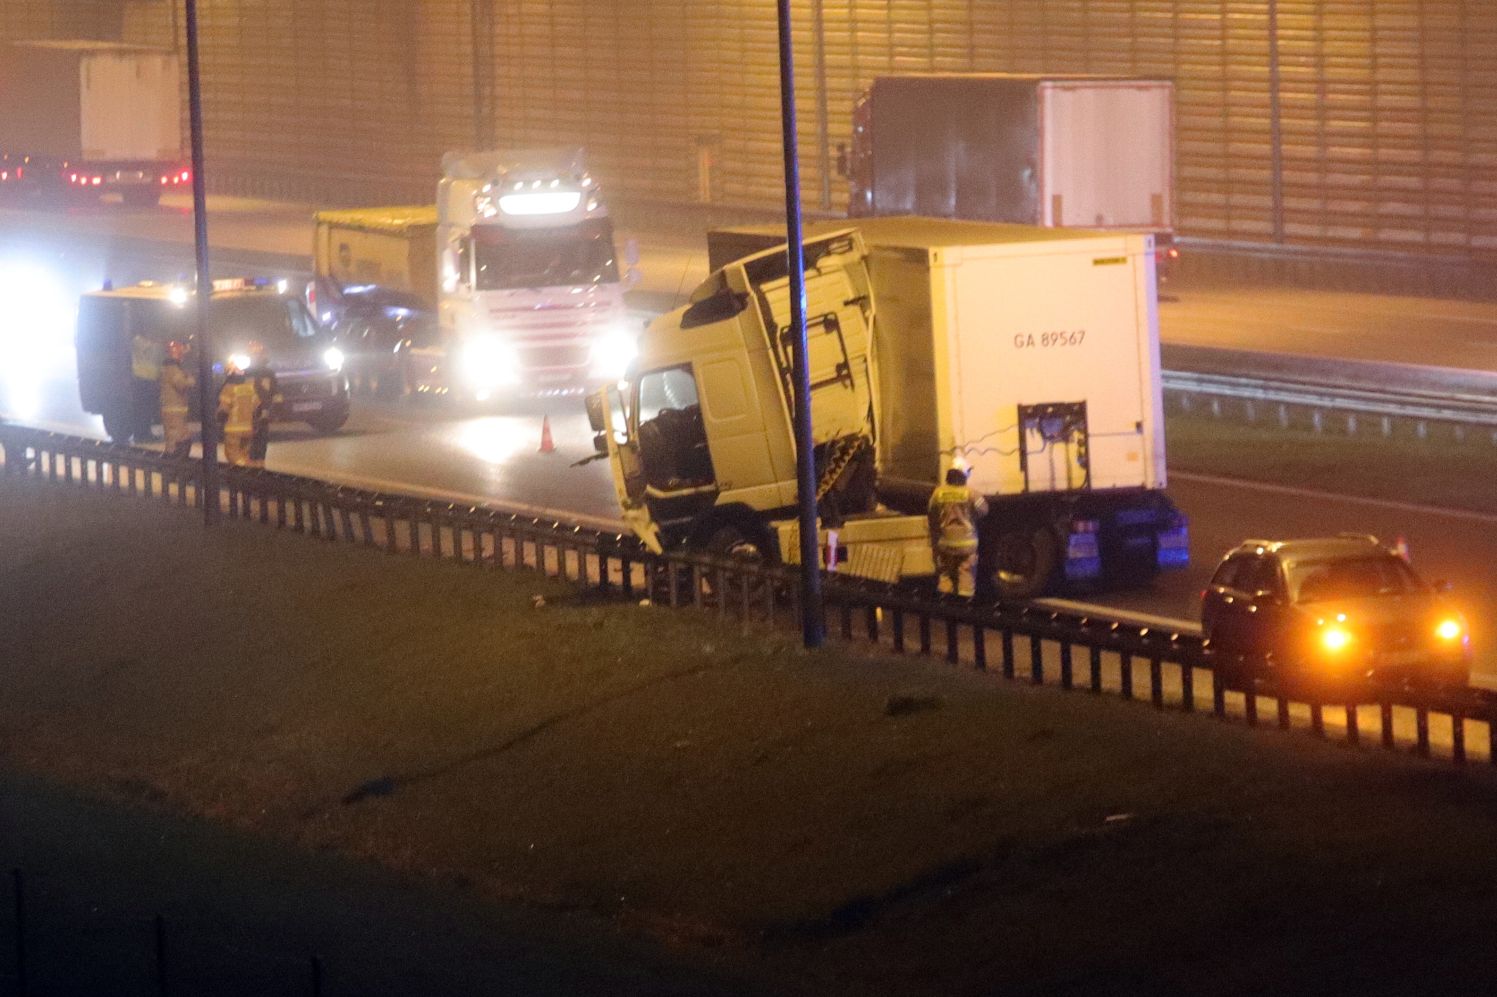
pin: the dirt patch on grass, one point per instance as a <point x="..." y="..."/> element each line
<point x="871" y="825"/>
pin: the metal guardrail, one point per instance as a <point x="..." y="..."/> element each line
<point x="1432" y="406"/>
<point x="1019" y="641"/>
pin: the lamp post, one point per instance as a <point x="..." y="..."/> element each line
<point x="813" y="622"/>
<point x="206" y="401"/>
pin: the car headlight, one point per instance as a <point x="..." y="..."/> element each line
<point x="1335" y="639"/>
<point x="487" y="362"/>
<point x="612" y="354"/>
<point x="1449" y="630"/>
<point x="333" y="357"/>
<point x="240" y="360"/>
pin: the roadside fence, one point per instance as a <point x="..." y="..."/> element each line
<point x="1019" y="641"/>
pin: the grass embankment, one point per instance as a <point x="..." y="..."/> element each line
<point x="1439" y="470"/>
<point x="720" y="788"/>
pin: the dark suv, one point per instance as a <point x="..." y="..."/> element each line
<point x="1341" y="608"/>
<point x="311" y="384"/>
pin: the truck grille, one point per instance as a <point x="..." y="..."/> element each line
<point x="553" y="356"/>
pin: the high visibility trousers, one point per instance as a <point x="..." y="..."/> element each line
<point x="178" y="441"/>
<point x="956" y="572"/>
<point x="237" y="449"/>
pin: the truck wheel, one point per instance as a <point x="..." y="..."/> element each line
<point x="141" y="197"/>
<point x="736" y="543"/>
<point x="1021" y="564"/>
<point x="119" y="424"/>
<point x="743" y="546"/>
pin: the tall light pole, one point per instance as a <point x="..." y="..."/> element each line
<point x="813" y="620"/>
<point x="206" y="402"/>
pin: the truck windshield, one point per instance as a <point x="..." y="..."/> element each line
<point x="578" y="255"/>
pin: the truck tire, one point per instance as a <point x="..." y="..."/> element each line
<point x="141" y="197"/>
<point x="739" y="544"/>
<point x="119" y="423"/>
<point x="1021" y="563"/>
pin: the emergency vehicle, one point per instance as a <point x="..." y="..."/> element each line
<point x="117" y="326"/>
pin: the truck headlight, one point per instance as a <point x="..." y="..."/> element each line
<point x="333" y="357"/>
<point x="487" y="362"/>
<point x="612" y="354"/>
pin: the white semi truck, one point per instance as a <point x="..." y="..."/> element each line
<point x="86" y="118"/>
<point x="517" y="261"/>
<point x="1054" y="150"/>
<point x="1029" y="355"/>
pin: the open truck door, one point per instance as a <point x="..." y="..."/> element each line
<point x="606" y="415"/>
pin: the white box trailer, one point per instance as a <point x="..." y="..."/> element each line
<point x="1030" y="353"/>
<point x="1051" y="150"/>
<point x="90" y="117"/>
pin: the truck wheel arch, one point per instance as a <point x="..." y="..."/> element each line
<point x="710" y="528"/>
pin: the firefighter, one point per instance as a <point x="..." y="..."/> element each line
<point x="145" y="377"/>
<point x="176" y="389"/>
<point x="237" y="402"/>
<point x="264" y="381"/>
<point x="954" y="512"/>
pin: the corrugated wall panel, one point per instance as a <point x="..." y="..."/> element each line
<point x="1388" y="108"/>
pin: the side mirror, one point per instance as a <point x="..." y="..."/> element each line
<point x="1442" y="586"/>
<point x="597" y="418"/>
<point x="600" y="443"/>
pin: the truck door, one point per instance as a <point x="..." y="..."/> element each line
<point x="628" y="469"/>
<point x="839" y="316"/>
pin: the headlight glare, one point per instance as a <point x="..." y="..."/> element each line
<point x="488" y="362"/>
<point x="612" y="354"/>
<point x="1449" y="629"/>
<point x="333" y="357"/>
<point x="1335" y="639"/>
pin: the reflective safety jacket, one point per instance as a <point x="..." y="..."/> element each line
<point x="238" y="405"/>
<point x="176" y="387"/>
<point x="145" y="359"/>
<point x="953" y="513"/>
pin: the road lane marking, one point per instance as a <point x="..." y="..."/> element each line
<point x="1258" y="486"/>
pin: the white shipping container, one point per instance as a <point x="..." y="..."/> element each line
<point x="976" y="320"/>
<point x="91" y="101"/>
<point x="1107" y="153"/>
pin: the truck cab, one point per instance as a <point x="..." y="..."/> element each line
<point x="701" y="434"/>
<point x="146" y="316"/>
<point x="531" y="291"/>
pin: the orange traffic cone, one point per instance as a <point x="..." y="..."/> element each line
<point x="548" y="445"/>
